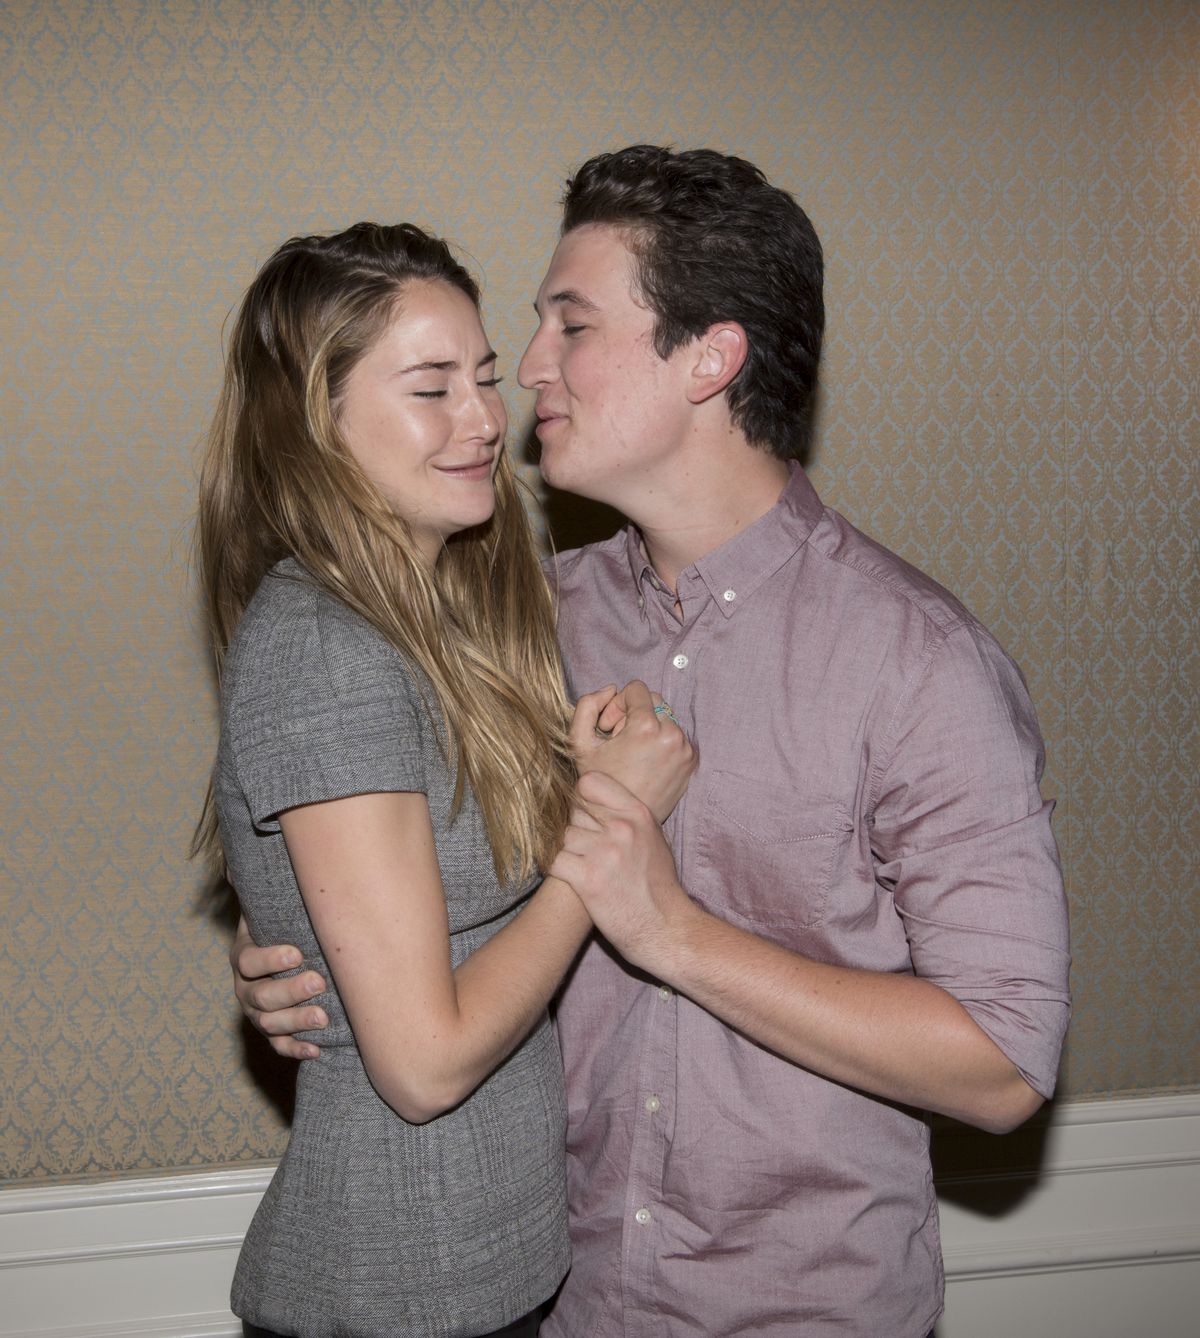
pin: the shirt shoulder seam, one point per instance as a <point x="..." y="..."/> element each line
<point x="942" y="610"/>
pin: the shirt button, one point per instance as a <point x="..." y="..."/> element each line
<point x="680" y="661"/>
<point x="729" y="596"/>
<point x="653" y="1105"/>
<point x="664" y="991"/>
<point x="641" y="602"/>
<point x="642" y="1216"/>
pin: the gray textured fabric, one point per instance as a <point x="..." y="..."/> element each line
<point x="373" y="1226"/>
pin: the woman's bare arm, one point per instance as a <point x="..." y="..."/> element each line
<point x="367" y="869"/>
<point x="653" y="758"/>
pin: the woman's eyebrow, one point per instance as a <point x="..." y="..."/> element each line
<point x="450" y="366"/>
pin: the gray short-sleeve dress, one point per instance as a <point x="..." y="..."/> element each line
<point x="373" y="1226"/>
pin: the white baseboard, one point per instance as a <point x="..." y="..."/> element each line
<point x="146" y="1258"/>
<point x="1087" y="1227"/>
<point x="1102" y="1240"/>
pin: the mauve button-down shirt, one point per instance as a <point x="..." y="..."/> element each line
<point x="867" y="794"/>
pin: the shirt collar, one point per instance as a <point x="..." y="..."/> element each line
<point x="733" y="572"/>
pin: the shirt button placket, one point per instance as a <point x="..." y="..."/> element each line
<point x="646" y="1165"/>
<point x="647" y="1217"/>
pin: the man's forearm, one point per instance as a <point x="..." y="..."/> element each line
<point x="895" y="1036"/>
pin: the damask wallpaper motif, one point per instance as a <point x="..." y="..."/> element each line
<point x="1009" y="195"/>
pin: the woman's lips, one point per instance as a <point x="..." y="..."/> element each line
<point x="471" y="473"/>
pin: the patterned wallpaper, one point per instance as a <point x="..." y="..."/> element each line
<point x="1009" y="195"/>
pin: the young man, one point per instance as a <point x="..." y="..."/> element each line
<point x="859" y="915"/>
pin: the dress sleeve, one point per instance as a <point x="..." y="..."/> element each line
<point x="962" y="837"/>
<point x="327" y="709"/>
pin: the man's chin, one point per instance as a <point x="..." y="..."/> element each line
<point x="565" y="471"/>
<point x="556" y="470"/>
<point x="566" y="480"/>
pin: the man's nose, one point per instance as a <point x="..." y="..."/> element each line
<point x="532" y="370"/>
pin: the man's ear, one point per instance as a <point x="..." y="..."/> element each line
<point x="720" y="354"/>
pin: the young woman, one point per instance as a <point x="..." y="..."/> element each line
<point x="395" y="765"/>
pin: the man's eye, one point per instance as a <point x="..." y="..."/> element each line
<point x="572" y="329"/>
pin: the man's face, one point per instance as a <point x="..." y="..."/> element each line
<point x="612" y="414"/>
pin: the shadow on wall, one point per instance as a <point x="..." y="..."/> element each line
<point x="574" y="521"/>
<point x="985" y="1174"/>
<point x="274" y="1077"/>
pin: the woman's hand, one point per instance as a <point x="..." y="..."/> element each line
<point x="623" y="735"/>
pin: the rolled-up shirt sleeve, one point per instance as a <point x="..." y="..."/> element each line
<point x="962" y="838"/>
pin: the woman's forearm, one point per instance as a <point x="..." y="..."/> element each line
<point x="503" y="987"/>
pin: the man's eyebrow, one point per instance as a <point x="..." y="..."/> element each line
<point x="571" y="296"/>
<point x="444" y="366"/>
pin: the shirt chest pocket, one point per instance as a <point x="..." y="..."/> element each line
<point x="765" y="854"/>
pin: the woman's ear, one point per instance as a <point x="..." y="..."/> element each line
<point x="720" y="354"/>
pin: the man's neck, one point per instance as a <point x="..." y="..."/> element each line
<point x="706" y="510"/>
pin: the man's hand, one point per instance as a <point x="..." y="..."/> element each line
<point x="619" y="864"/>
<point x="275" y="1007"/>
<point x="646" y="752"/>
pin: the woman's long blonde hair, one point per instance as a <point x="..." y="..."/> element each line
<point x="278" y="481"/>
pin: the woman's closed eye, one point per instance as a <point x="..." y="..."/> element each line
<point x="488" y="383"/>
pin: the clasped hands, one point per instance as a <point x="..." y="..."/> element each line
<point x="634" y="765"/>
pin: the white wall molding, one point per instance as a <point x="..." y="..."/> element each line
<point x="1098" y="1234"/>
<point x="134" y="1258"/>
<point x="1088" y="1226"/>
<point x="156" y="1189"/>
